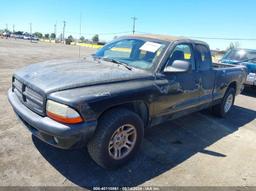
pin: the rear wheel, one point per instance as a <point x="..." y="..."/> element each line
<point x="117" y="138"/>
<point x="223" y="108"/>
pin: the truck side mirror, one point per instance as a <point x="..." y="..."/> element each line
<point x="178" y="66"/>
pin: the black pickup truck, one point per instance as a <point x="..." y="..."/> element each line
<point x="108" y="99"/>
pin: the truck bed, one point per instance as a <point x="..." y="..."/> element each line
<point x="224" y="74"/>
<point x="220" y="65"/>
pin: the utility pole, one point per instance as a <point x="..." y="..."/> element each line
<point x="30" y="25"/>
<point x="55" y="31"/>
<point x="13" y="28"/>
<point x="63" y="34"/>
<point x="134" y="24"/>
<point x="6" y="27"/>
<point x="80" y="30"/>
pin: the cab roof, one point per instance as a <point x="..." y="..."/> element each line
<point x="167" y="38"/>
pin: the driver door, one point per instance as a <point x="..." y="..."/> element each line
<point x="181" y="90"/>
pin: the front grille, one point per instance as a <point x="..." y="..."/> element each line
<point x="30" y="98"/>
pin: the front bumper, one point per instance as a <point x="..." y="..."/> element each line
<point x="60" y="135"/>
<point x="251" y="79"/>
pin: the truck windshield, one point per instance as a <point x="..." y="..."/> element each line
<point x="240" y="55"/>
<point x="132" y="52"/>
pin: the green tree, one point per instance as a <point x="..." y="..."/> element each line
<point x="38" y="35"/>
<point x="7" y="31"/>
<point x="95" y="38"/>
<point x="233" y="45"/>
<point x="53" y="36"/>
<point x="69" y="39"/>
<point x="46" y="36"/>
<point x="19" y="33"/>
<point x="82" y="39"/>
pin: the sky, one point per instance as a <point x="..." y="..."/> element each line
<point x="235" y="19"/>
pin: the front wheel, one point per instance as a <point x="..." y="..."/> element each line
<point x="223" y="108"/>
<point x="117" y="138"/>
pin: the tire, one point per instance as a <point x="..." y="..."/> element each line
<point x="220" y="109"/>
<point x="102" y="147"/>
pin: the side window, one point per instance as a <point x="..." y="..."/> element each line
<point x="181" y="52"/>
<point x="204" y="60"/>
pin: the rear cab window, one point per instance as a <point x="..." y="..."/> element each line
<point x="203" y="57"/>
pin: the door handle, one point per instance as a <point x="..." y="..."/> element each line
<point x="198" y="83"/>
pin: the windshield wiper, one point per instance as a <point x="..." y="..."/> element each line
<point x="116" y="62"/>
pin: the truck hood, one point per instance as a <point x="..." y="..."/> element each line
<point x="251" y="67"/>
<point x="59" y="75"/>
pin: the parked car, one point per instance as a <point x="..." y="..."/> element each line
<point x="35" y="38"/>
<point x="107" y="100"/>
<point x="29" y="37"/>
<point x="19" y="36"/>
<point x="7" y="34"/>
<point x="26" y="37"/>
<point x="244" y="57"/>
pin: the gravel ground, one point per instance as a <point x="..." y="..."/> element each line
<point x="196" y="150"/>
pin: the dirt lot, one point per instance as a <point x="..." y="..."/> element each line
<point x="196" y="150"/>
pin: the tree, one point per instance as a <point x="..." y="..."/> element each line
<point x="69" y="39"/>
<point x="7" y="31"/>
<point x="82" y="39"/>
<point x="19" y="33"/>
<point x="95" y="38"/>
<point x="38" y="35"/>
<point x="53" y="36"/>
<point x="46" y="36"/>
<point x="237" y="44"/>
<point x="233" y="45"/>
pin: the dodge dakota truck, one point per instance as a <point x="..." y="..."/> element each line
<point x="105" y="101"/>
<point x="246" y="57"/>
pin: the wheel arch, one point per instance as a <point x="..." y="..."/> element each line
<point x="232" y="85"/>
<point x="138" y="107"/>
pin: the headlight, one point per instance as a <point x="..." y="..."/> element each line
<point x="62" y="113"/>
